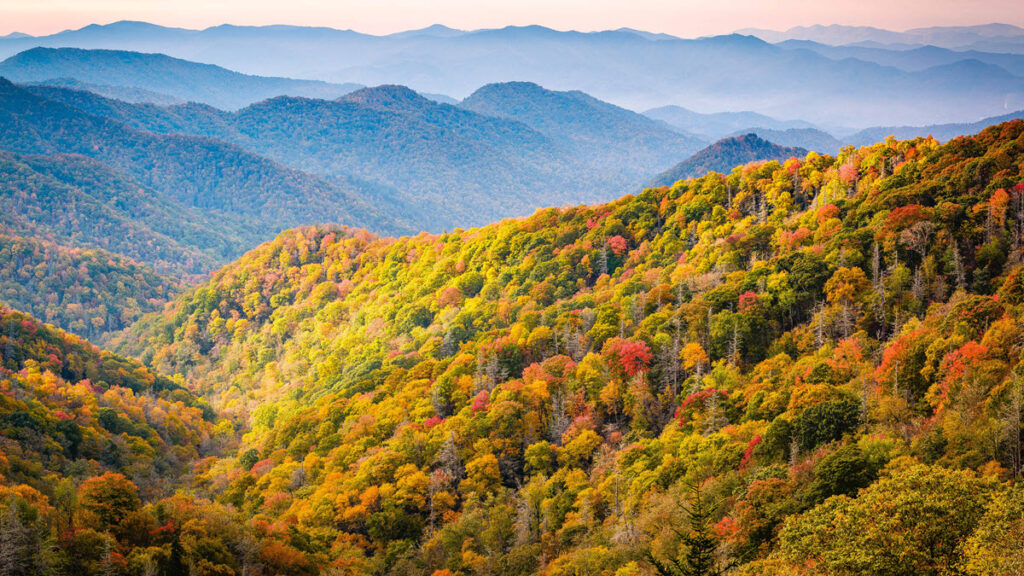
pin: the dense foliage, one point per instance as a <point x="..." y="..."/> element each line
<point x="799" y="368"/>
<point x="70" y="410"/>
<point x="87" y="292"/>
<point x="93" y="447"/>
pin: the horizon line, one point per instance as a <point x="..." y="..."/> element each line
<point x="628" y="29"/>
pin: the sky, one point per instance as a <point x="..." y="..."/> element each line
<point x="686" y="18"/>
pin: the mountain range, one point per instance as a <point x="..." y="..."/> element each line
<point x="390" y="145"/>
<point x="623" y="67"/>
<point x="719" y="124"/>
<point x="801" y="134"/>
<point x="198" y="188"/>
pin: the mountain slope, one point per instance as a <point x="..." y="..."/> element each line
<point x="124" y="93"/>
<point x="597" y="132"/>
<point x="473" y="168"/>
<point x="181" y="79"/>
<point x="806" y="138"/>
<point x="69" y="410"/>
<point x="657" y="366"/>
<point x="76" y="201"/>
<point x="724" y="155"/>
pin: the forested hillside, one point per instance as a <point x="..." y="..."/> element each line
<point x="70" y="410"/>
<point x="227" y="183"/>
<point x="799" y="368"/>
<point x="94" y="452"/>
<point x="87" y="292"/>
<point x="614" y="146"/>
<point x="76" y="201"/>
<point x="123" y="93"/>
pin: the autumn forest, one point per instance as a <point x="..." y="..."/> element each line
<point x="225" y="351"/>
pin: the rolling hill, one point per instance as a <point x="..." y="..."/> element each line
<point x="724" y="155"/>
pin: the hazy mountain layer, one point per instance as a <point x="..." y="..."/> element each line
<point x="158" y="73"/>
<point x="623" y="67"/>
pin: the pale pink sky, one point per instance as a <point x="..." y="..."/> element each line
<point x="679" y="17"/>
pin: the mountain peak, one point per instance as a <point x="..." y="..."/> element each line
<point x="726" y="154"/>
<point x="519" y="87"/>
<point x="434" y="31"/>
<point x="387" y="97"/>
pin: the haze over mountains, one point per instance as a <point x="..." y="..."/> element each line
<point x="628" y="68"/>
<point x="989" y="37"/>
<point x="162" y="75"/>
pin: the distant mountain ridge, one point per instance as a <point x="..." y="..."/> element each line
<point x="911" y="59"/>
<point x="182" y="79"/>
<point x="817" y="139"/>
<point x="719" y="124"/>
<point x="941" y="36"/>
